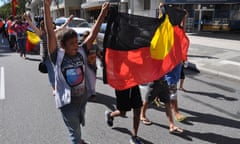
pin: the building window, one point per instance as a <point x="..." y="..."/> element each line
<point x="146" y="4"/>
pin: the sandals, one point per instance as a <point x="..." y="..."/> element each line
<point x="146" y="121"/>
<point x="182" y="89"/>
<point x="157" y="102"/>
<point x="181" y="118"/>
<point x="175" y="130"/>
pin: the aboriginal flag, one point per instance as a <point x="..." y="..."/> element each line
<point x="14" y="5"/>
<point x="141" y="49"/>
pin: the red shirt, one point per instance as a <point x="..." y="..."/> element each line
<point x="1" y="24"/>
<point x="10" y="30"/>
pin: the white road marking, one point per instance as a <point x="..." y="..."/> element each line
<point x="2" y="84"/>
<point x="230" y="62"/>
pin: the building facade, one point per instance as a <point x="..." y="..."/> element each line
<point x="203" y="15"/>
<point x="58" y="8"/>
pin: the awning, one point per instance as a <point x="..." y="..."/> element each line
<point x="201" y="1"/>
<point x="97" y="4"/>
<point x="90" y="5"/>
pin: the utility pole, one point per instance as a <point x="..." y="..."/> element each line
<point x="131" y="6"/>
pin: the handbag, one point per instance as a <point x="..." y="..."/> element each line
<point x="42" y="67"/>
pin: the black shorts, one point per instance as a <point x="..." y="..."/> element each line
<point x="128" y="99"/>
<point x="159" y="88"/>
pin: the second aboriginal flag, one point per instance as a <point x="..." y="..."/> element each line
<point x="141" y="49"/>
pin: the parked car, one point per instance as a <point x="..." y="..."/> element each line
<point x="78" y="24"/>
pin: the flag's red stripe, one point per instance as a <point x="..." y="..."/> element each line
<point x="129" y="68"/>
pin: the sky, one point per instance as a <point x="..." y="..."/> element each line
<point x="1" y="3"/>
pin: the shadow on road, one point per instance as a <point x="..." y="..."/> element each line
<point x="191" y="69"/>
<point x="33" y="59"/>
<point x="200" y="56"/>
<point x="126" y="131"/>
<point x="219" y="86"/>
<point x="106" y="100"/>
<point x="212" y="119"/>
<point x="208" y="136"/>
<point x="109" y="102"/>
<point x="212" y="95"/>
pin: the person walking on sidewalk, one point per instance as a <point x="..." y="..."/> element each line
<point x="126" y="100"/>
<point x="71" y="73"/>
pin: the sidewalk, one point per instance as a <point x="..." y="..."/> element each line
<point x="216" y="53"/>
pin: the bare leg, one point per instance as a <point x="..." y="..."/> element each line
<point x="143" y="111"/>
<point x="143" y="117"/>
<point x="117" y="113"/>
<point x="136" y="120"/>
<point x="54" y="92"/>
<point x="181" y="85"/>
<point x="172" y="127"/>
<point x="169" y="114"/>
<point x="178" y="116"/>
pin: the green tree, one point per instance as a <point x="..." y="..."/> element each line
<point x="6" y="10"/>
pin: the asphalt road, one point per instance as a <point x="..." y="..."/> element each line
<point x="28" y="114"/>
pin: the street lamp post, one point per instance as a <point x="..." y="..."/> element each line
<point x="131" y="6"/>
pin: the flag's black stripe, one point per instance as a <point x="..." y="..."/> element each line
<point x="128" y="32"/>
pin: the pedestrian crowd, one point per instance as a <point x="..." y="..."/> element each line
<point x="72" y="74"/>
<point x="14" y="31"/>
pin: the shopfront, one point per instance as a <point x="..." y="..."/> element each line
<point x="210" y="15"/>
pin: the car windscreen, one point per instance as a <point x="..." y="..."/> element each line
<point x="78" y="23"/>
<point x="103" y="28"/>
<point x="59" y="22"/>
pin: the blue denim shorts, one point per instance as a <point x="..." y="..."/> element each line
<point x="73" y="117"/>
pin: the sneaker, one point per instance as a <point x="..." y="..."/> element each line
<point x="108" y="118"/>
<point x="85" y="142"/>
<point x="135" y="140"/>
